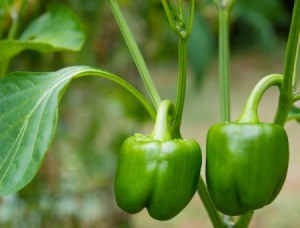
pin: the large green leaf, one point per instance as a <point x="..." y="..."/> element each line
<point x="28" y="116"/>
<point x="57" y="29"/>
<point x="28" y="113"/>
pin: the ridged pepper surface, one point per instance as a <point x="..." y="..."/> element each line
<point x="157" y="172"/>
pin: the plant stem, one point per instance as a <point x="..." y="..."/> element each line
<point x="297" y="67"/>
<point x="286" y="98"/>
<point x="213" y="214"/>
<point x="161" y="131"/>
<point x="224" y="63"/>
<point x="244" y="221"/>
<point x="135" y="52"/>
<point x="148" y="106"/>
<point x="181" y="90"/>
<point x="250" y="112"/>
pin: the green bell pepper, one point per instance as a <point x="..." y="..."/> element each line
<point x="157" y="171"/>
<point x="246" y="161"/>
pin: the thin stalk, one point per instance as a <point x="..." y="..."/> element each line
<point x="180" y="7"/>
<point x="286" y="98"/>
<point x="181" y="89"/>
<point x="244" y="221"/>
<point x="297" y="67"/>
<point x="224" y="63"/>
<point x="213" y="214"/>
<point x="135" y="52"/>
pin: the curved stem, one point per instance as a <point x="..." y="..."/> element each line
<point x="250" y="112"/>
<point x="224" y="63"/>
<point x="164" y="116"/>
<point x="244" y="220"/>
<point x="181" y="90"/>
<point x="213" y="214"/>
<point x="135" y="52"/>
<point x="286" y="92"/>
<point x="126" y="86"/>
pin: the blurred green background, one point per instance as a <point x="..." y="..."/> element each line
<point x="74" y="187"/>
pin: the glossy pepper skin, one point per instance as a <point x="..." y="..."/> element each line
<point x="246" y="165"/>
<point x="246" y="160"/>
<point x="161" y="175"/>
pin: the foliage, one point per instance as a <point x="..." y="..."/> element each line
<point x="108" y="50"/>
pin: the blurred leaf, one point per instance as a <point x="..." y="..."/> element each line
<point x="58" y="29"/>
<point x="294" y="114"/>
<point x="28" y="116"/>
<point x="200" y="47"/>
<point x="5" y="3"/>
<point x="257" y="21"/>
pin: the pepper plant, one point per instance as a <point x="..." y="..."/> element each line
<point x="246" y="160"/>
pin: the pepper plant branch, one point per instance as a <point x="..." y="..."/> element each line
<point x="297" y="67"/>
<point x="176" y="18"/>
<point x="244" y="221"/>
<point x="213" y="214"/>
<point x="169" y="10"/>
<point x="181" y="90"/>
<point x="224" y="64"/>
<point x="180" y="6"/>
<point x="286" y="98"/>
<point x="135" y="52"/>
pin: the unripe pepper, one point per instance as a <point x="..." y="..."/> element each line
<point x="157" y="171"/>
<point x="246" y="161"/>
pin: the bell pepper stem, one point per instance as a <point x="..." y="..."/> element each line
<point x="244" y="220"/>
<point x="213" y="214"/>
<point x="135" y="52"/>
<point x="286" y="98"/>
<point x="164" y="117"/>
<point x="250" y="112"/>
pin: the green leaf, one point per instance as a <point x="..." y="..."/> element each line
<point x="294" y="114"/>
<point x="28" y="116"/>
<point x="58" y="29"/>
